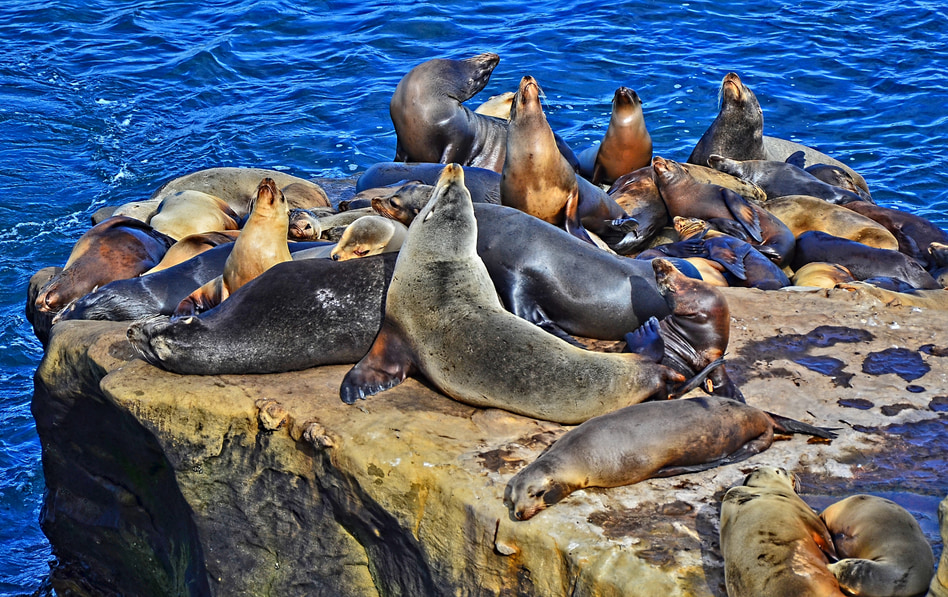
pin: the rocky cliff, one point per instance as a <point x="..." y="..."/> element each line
<point x="164" y="484"/>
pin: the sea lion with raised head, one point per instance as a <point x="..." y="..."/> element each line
<point x="620" y="448"/>
<point x="442" y="303"/>
<point x="881" y="548"/>
<point x="737" y="130"/>
<point x="773" y="543"/>
<point x="626" y="145"/>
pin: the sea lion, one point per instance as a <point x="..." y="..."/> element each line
<point x="821" y="274"/>
<point x="804" y="212"/>
<point x="862" y="260"/>
<point x="238" y="187"/>
<point x="160" y="292"/>
<point x="370" y="235"/>
<point x="773" y="543"/>
<point x="120" y="247"/>
<point x="309" y="224"/>
<point x="928" y="299"/>
<point x="779" y="179"/>
<point x="191" y="245"/>
<point x="442" y="303"/>
<point x="938" y="257"/>
<point x="619" y="448"/>
<point x="684" y="196"/>
<point x="737" y="130"/>
<point x="497" y="106"/>
<point x="637" y="195"/>
<point x="781" y="149"/>
<point x="710" y="271"/>
<point x="262" y="243"/>
<point x="837" y="176"/>
<point x="266" y="327"/>
<point x="939" y="586"/>
<point x="709" y="175"/>
<point x="914" y="233"/>
<point x="625" y="147"/>
<point x="193" y="212"/>
<point x="433" y="125"/>
<point x="882" y="550"/>
<point x="483" y="184"/>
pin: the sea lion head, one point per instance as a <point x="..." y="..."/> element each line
<point x="627" y="104"/>
<point x="304" y="225"/>
<point x="404" y="202"/>
<point x="772" y="477"/>
<point x="736" y="96"/>
<point x="269" y="198"/>
<point x="446" y="224"/>
<point x="457" y="79"/>
<point x="665" y="170"/>
<point x="533" y="489"/>
<point x="690" y="227"/>
<point x="527" y="99"/>
<point x="369" y="235"/>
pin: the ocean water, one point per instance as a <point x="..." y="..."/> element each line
<point x="100" y="102"/>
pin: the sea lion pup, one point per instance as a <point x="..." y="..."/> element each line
<point x="779" y="179"/>
<point x="882" y="550"/>
<point x="304" y="224"/>
<point x="370" y="235"/>
<point x="261" y="245"/>
<point x="192" y="245"/>
<point x="821" y="274"/>
<point x="619" y="448"/>
<point x="117" y="248"/>
<point x="625" y="147"/>
<point x="442" y="304"/>
<point x="193" y="212"/>
<point x="914" y="233"/>
<point x="738" y="129"/>
<point x="862" y="260"/>
<point x="684" y="196"/>
<point x="773" y="543"/>
<point x="289" y="318"/>
<point x="803" y="212"/>
<point x="497" y="106"/>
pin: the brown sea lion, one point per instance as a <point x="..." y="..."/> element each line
<point x="882" y="551"/>
<point x="822" y="275"/>
<point x="626" y="145"/>
<point x="191" y="245"/>
<point x="619" y="448"/>
<point x="262" y="243"/>
<point x="773" y="543"/>
<point x="370" y="235"/>
<point x="913" y="233"/>
<point x="706" y="174"/>
<point x="442" y="303"/>
<point x="193" y="212"/>
<point x="117" y="248"/>
<point x="805" y="212"/>
<point x="637" y="195"/>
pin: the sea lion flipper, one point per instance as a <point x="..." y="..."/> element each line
<point x="752" y="447"/>
<point x="797" y="158"/>
<point x="572" y="221"/>
<point x="730" y="256"/>
<point x="647" y="340"/>
<point x="203" y="299"/>
<point x="697" y="380"/>
<point x="387" y="364"/>
<point x="743" y="212"/>
<point x="788" y="425"/>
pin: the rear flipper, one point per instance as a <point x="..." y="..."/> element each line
<point x="387" y="364"/>
<point x="788" y="425"/>
<point x="696" y="381"/>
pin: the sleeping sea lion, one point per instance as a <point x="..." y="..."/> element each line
<point x="193" y="212"/>
<point x="779" y="179"/>
<point x="821" y="274"/>
<point x="619" y="448"/>
<point x="804" y="212"/>
<point x="191" y="245"/>
<point x="442" y="303"/>
<point x="773" y="543"/>
<point x="914" y="233"/>
<point x="370" y="235"/>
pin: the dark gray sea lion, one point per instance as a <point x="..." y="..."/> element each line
<point x="484" y="184"/>
<point x="830" y="174"/>
<point x="863" y="261"/>
<point x="117" y="248"/>
<point x="266" y="327"/>
<point x="779" y="179"/>
<point x="781" y="149"/>
<point x="913" y="233"/>
<point x="637" y="194"/>
<point x="737" y="131"/>
<point x="442" y="303"/>
<point x="773" y="543"/>
<point x="620" y="448"/>
<point x="881" y="548"/>
<point x="626" y="145"/>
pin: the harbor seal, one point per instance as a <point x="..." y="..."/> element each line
<point x="442" y="303"/>
<point x="882" y="550"/>
<point x="626" y="145"/>
<point x="262" y="243"/>
<point x="117" y="248"/>
<point x="773" y="543"/>
<point x="620" y="448"/>
<point x="370" y="235"/>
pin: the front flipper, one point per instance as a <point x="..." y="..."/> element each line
<point x="729" y="254"/>
<point x="647" y="340"/>
<point x="797" y="158"/>
<point x="387" y="364"/>
<point x="573" y="223"/>
<point x="743" y="212"/>
<point x="203" y="299"/>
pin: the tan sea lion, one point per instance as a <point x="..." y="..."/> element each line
<point x="442" y="304"/>
<point x="927" y="298"/>
<point x="914" y="233"/>
<point x="882" y="550"/>
<point x="370" y="235"/>
<point x="939" y="586"/>
<point x="709" y="270"/>
<point x="804" y="212"/>
<point x="773" y="543"/>
<point x="625" y="147"/>
<point x="821" y="274"/>
<point x="497" y="106"/>
<point x="193" y="212"/>
<point x="261" y="245"/>
<point x="191" y="245"/>
<point x="119" y="247"/>
<point x="619" y="448"/>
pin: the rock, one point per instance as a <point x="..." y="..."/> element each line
<point x="268" y="484"/>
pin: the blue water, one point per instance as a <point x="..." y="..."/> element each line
<point x="102" y="101"/>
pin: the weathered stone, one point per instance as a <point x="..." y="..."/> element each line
<point x="269" y="484"/>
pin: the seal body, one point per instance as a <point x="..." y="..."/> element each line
<point x="625" y="147"/>
<point x="738" y="129"/>
<point x="119" y="247"/>
<point x="619" y="448"/>
<point x="882" y="550"/>
<point x="192" y="245"/>
<point x="370" y="235"/>
<point x="822" y="275"/>
<point x="913" y="233"/>
<point x="773" y="543"/>
<point x="441" y="304"/>
<point x="497" y="106"/>
<point x="779" y="179"/>
<point x="804" y="212"/>
<point x="193" y="212"/>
